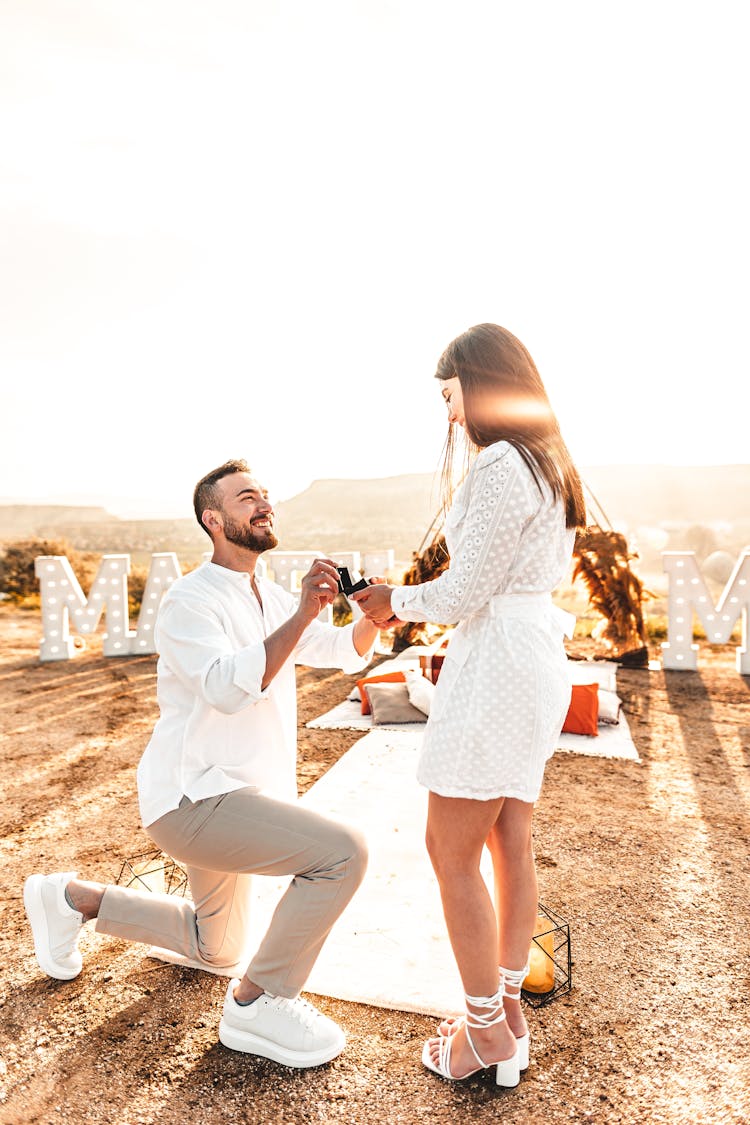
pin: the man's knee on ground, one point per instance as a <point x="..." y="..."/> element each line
<point x="355" y="852"/>
<point x="223" y="955"/>
<point x="220" y="946"/>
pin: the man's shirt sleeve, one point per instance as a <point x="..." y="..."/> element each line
<point x="193" y="644"/>
<point x="330" y="646"/>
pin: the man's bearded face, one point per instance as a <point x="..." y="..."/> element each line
<point x="257" y="535"/>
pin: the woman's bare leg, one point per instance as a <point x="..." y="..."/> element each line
<point x="516" y="892"/>
<point x="456" y="833"/>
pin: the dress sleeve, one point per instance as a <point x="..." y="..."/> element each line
<point x="488" y="537"/>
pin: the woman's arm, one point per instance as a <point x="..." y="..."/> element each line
<point x="497" y="509"/>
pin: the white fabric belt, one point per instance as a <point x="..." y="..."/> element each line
<point x="531" y="607"/>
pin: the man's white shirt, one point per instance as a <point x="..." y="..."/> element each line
<point x="217" y="730"/>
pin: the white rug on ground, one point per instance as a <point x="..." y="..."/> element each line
<point x="613" y="741"/>
<point x="390" y="947"/>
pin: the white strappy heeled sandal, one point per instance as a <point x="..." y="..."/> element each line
<point x="507" y="1072"/>
<point x="509" y="977"/>
<point x="514" y="978"/>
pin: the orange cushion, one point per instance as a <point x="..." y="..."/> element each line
<point x="583" y="713"/>
<point x="386" y="678"/>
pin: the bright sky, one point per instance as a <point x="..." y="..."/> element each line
<point x="249" y="228"/>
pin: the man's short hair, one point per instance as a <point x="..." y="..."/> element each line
<point x="206" y="495"/>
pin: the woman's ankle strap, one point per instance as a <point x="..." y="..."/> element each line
<point x="495" y="1012"/>
<point x="513" y="978"/>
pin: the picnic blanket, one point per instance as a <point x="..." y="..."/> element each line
<point x="613" y="740"/>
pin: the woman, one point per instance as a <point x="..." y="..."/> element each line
<point x="503" y="691"/>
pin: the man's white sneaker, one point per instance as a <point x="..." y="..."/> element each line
<point x="291" y="1032"/>
<point x="54" y="924"/>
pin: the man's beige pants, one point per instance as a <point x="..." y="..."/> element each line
<point x="222" y="841"/>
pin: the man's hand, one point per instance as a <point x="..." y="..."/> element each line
<point x="318" y="589"/>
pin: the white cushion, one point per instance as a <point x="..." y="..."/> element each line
<point x="601" y="672"/>
<point x="421" y="691"/>
<point x="609" y="706"/>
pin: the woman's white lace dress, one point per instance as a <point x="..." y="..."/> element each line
<point x="504" y="689"/>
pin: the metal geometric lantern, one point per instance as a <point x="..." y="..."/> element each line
<point x="550" y="962"/>
<point x="153" y="871"/>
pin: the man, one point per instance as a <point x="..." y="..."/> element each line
<point x="217" y="787"/>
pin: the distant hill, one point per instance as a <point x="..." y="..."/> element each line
<point x="397" y="512"/>
<point x="17" y="520"/>
<point x="95" y="529"/>
<point x="660" y="495"/>
<point x="361" y="515"/>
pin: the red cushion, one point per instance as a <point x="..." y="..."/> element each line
<point x="387" y="678"/>
<point x="583" y="713"/>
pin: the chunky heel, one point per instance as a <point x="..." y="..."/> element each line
<point x="508" y="1072"/>
<point x="514" y="978"/>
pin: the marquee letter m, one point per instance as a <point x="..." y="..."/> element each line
<point x="689" y="594"/>
<point x="63" y="601"/>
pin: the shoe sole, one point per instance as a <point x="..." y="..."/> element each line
<point x="35" y="912"/>
<point x="523" y="1043"/>
<point x="237" y="1040"/>
<point x="171" y="958"/>
<point x="507" y="1073"/>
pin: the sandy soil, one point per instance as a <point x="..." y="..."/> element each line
<point x="647" y="861"/>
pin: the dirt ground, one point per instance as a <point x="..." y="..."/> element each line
<point x="648" y="862"/>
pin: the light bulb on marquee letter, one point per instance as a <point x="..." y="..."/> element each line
<point x="64" y="603"/>
<point x="688" y="594"/>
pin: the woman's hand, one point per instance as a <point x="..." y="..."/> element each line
<point x="375" y="603"/>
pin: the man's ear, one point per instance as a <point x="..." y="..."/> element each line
<point x="212" y="520"/>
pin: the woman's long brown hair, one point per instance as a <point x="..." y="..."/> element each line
<point x="505" y="400"/>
